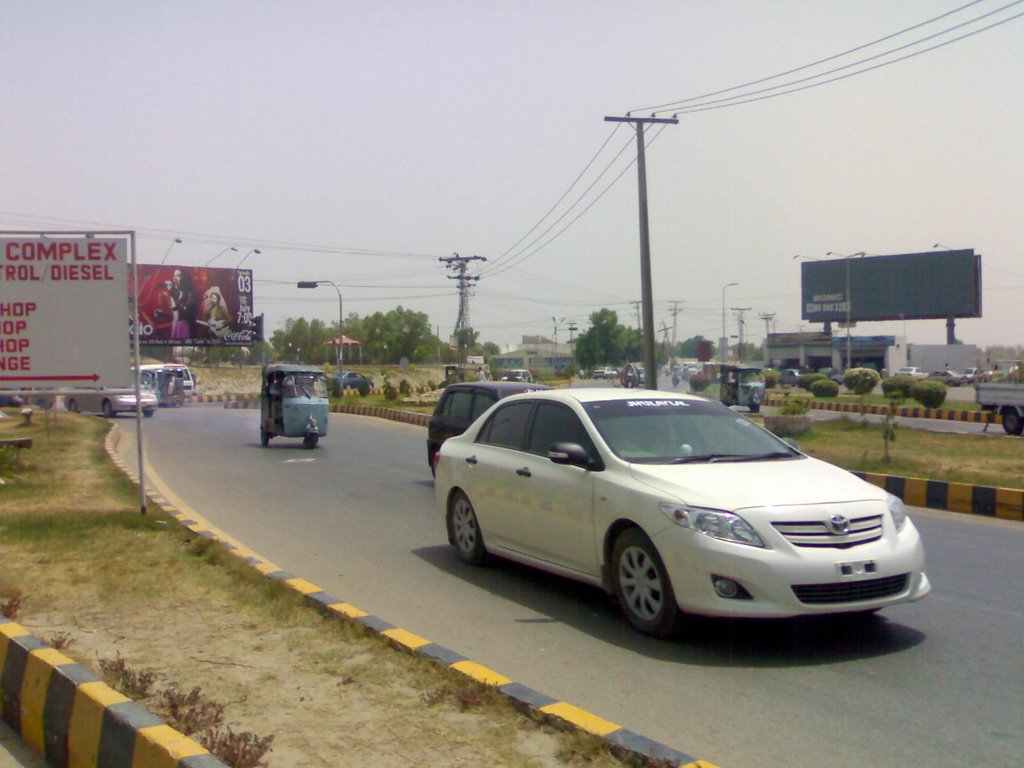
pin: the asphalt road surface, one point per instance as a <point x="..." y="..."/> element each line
<point x="936" y="683"/>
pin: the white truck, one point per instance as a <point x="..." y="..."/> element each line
<point x="1005" y="398"/>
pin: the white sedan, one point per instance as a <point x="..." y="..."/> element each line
<point x="673" y="504"/>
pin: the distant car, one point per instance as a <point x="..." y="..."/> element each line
<point x="460" y="404"/>
<point x="517" y="374"/>
<point x="789" y="376"/>
<point x="605" y="372"/>
<point x="110" y="402"/>
<point x="913" y="371"/>
<point x="351" y="380"/>
<point x="675" y="505"/>
<point x="972" y="375"/>
<point x="11" y="400"/>
<point x="834" y="374"/>
<point x="947" y="377"/>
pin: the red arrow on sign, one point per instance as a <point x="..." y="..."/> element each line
<point x="90" y="377"/>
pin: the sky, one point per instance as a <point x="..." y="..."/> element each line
<point x="361" y="142"/>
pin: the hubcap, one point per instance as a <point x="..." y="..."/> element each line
<point x="464" y="525"/>
<point x="640" y="584"/>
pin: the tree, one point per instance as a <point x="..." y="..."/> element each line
<point x="302" y="341"/>
<point x="689" y="348"/>
<point x="603" y="342"/>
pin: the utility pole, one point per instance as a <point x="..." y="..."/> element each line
<point x="458" y="265"/>
<point x="675" y="315"/>
<point x="645" y="242"/>
<point x="739" y="324"/>
<point x="768" y="317"/>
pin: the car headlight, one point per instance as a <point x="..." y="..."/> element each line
<point x="715" y="523"/>
<point x="898" y="510"/>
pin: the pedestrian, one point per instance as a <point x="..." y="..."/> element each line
<point x="480" y="374"/>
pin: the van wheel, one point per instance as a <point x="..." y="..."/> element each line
<point x="73" y="405"/>
<point x="264" y="438"/>
<point x="108" y="410"/>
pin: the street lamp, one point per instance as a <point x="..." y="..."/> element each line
<point x="723" y="352"/>
<point x="341" y="316"/>
<point x="229" y="248"/>
<point x="250" y="253"/>
<point x="168" y="251"/>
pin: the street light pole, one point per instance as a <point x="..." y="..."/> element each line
<point x="341" y="316"/>
<point x="168" y="251"/>
<point x="250" y="253"/>
<point x="723" y="352"/>
<point x="849" y="302"/>
<point x="229" y="248"/>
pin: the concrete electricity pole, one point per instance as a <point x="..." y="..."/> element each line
<point x="651" y="376"/>
<point x="739" y="325"/>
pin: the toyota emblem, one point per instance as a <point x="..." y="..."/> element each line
<point x="838" y="525"/>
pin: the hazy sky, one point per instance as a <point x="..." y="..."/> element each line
<point x="358" y="142"/>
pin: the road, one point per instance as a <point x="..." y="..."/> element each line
<point x="937" y="683"/>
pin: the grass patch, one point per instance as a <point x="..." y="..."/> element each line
<point x="954" y="458"/>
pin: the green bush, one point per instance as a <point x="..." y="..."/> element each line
<point x="930" y="394"/>
<point x="794" y="405"/>
<point x="390" y="390"/>
<point x="824" y="388"/>
<point x="771" y="379"/>
<point x="699" y="382"/>
<point x="898" y="385"/>
<point x="861" y="381"/>
<point x="806" y="379"/>
<point x="404" y="388"/>
<point x="364" y="389"/>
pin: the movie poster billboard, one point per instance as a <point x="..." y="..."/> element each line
<point x="195" y="306"/>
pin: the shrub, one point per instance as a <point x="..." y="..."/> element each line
<point x="364" y="389"/>
<point x="390" y="390"/>
<point x="861" y="381"/>
<point x="824" y="388"/>
<point x="930" y="394"/>
<point x="900" y="385"/>
<point x="771" y="378"/>
<point x="699" y="382"/>
<point x="404" y="388"/>
<point x="806" y="379"/>
<point x="794" y="405"/>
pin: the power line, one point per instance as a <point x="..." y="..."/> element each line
<point x="734" y="101"/>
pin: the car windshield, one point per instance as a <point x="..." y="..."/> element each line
<point x="671" y="431"/>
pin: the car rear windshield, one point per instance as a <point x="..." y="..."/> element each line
<point x="669" y="431"/>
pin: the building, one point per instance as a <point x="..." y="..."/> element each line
<point x="535" y="353"/>
<point x="815" y="350"/>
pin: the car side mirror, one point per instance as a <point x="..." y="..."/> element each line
<point x="573" y="454"/>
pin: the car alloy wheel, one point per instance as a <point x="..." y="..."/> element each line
<point x="642" y="585"/>
<point x="464" y="530"/>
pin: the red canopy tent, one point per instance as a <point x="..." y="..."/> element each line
<point x="345" y="341"/>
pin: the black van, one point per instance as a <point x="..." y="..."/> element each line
<point x="460" y="404"/>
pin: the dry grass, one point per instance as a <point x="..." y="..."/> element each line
<point x="960" y="458"/>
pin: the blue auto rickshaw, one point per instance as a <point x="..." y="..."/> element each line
<point x="293" y="403"/>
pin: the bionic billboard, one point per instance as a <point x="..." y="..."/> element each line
<point x="195" y="306"/>
<point x="910" y="286"/>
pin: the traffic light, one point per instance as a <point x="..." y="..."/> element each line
<point x="257" y="328"/>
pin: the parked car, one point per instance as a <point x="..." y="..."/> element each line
<point x="674" y="504"/>
<point x="834" y="374"/>
<point x="350" y="380"/>
<point x="517" y="374"/>
<point x="971" y="375"/>
<point x="606" y="372"/>
<point x="948" y="377"/>
<point x="462" y="403"/>
<point x="914" y="371"/>
<point x="788" y="377"/>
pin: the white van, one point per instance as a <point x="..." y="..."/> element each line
<point x="182" y="372"/>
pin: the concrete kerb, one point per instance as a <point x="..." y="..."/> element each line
<point x="533" y="703"/>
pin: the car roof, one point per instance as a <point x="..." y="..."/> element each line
<point x="597" y="394"/>
<point x="501" y="388"/>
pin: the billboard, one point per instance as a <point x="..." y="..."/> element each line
<point x="195" y="306"/>
<point x="63" y="310"/>
<point x="909" y="286"/>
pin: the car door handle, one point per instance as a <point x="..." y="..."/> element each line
<point x="471" y="459"/>
<point x="524" y="472"/>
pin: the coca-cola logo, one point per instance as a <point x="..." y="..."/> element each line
<point x="245" y="335"/>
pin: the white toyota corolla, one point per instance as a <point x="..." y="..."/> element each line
<point x="673" y="504"/>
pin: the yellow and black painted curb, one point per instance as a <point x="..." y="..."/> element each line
<point x="525" y="699"/>
<point x="945" y="414"/>
<point x="983" y="500"/>
<point x="70" y="717"/>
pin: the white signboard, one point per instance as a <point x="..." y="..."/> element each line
<point x="64" y="312"/>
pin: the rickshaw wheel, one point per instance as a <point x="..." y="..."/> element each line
<point x="264" y="438"/>
<point x="309" y="441"/>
